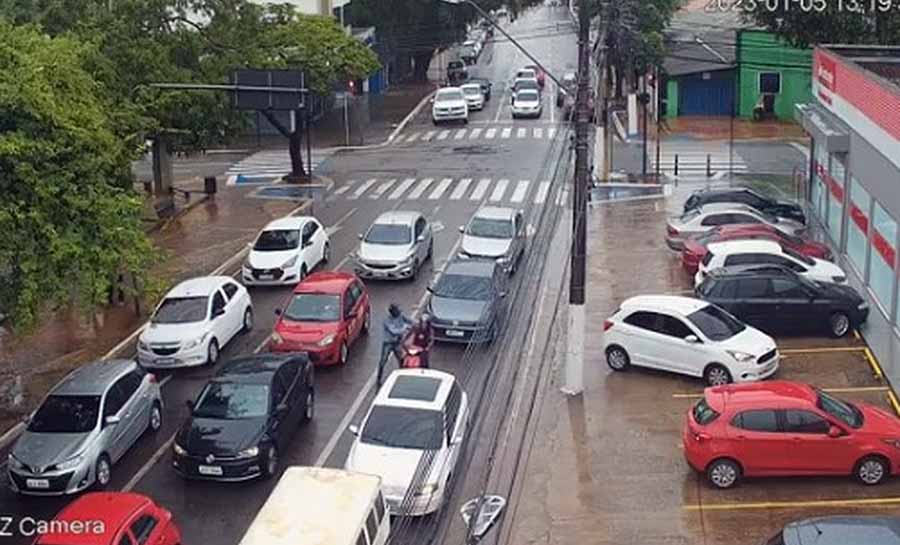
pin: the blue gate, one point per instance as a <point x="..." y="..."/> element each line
<point x="713" y="96"/>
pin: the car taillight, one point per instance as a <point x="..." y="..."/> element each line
<point x="153" y="378"/>
<point x="671" y="230"/>
<point x="607" y="324"/>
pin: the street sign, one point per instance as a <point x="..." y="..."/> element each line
<point x="271" y="89"/>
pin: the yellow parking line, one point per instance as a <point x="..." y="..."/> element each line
<point x="844" y="390"/>
<point x="876" y="369"/>
<point x="821" y="350"/>
<point x="856" y="335"/>
<point x="792" y="504"/>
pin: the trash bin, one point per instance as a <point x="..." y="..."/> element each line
<point x="209" y="185"/>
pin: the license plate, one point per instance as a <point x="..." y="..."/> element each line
<point x="164" y="361"/>
<point x="455" y="333"/>
<point x="210" y="470"/>
<point x="267" y="277"/>
<point x="37" y="483"/>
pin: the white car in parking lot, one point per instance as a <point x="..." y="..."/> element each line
<point x="708" y="217"/>
<point x="766" y="252"/>
<point x="417" y="412"/>
<point x="285" y="251"/>
<point x="194" y="321"/>
<point x="449" y="104"/>
<point x="687" y="336"/>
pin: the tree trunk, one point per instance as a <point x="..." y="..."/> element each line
<point x="421" y="69"/>
<point x="295" y="145"/>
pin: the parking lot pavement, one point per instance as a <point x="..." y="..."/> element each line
<point x="609" y="466"/>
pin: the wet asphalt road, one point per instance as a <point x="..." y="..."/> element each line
<point x="218" y="514"/>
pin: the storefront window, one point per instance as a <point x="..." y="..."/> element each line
<point x="819" y="190"/>
<point x="835" y="183"/>
<point x="884" y="238"/>
<point x="858" y="226"/>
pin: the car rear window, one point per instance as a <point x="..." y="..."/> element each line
<point x="703" y="413"/>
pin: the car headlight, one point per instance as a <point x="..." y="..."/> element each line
<point x="143" y="346"/>
<point x="251" y="452"/>
<point x="289" y="263"/>
<point x="326" y="340"/>
<point x="428" y="489"/>
<point x="71" y="463"/>
<point x="742" y="357"/>
<point x="179" y="450"/>
<point x="277" y="338"/>
<point x="14" y="462"/>
<point x="196" y="342"/>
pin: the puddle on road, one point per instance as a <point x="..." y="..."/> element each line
<point x="605" y="192"/>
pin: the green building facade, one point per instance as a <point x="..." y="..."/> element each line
<point x="772" y="75"/>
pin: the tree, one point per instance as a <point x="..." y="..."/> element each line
<point x="837" y="23"/>
<point x="69" y="226"/>
<point x="634" y="37"/>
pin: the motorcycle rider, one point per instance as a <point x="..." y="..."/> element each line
<point x="421" y="336"/>
<point x="395" y="328"/>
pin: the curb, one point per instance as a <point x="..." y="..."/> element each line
<point x="162" y="223"/>
<point x="395" y="132"/>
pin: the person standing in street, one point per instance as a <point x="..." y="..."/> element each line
<point x="396" y="325"/>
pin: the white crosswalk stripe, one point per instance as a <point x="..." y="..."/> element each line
<point x="401" y="189"/>
<point x="490" y="133"/>
<point x="439" y="190"/>
<point x="413" y="137"/>
<point x="363" y="188"/>
<point x="428" y="136"/>
<point x="382" y="189"/>
<point x="460" y="134"/>
<point x="521" y="132"/>
<point x="271" y="163"/>
<point x="476" y="132"/>
<point x="563" y="197"/>
<point x="520" y="191"/>
<point x="541" y="194"/>
<point x="460" y="189"/>
<point x="551" y="132"/>
<point x="696" y="159"/>
<point x="499" y="190"/>
<point x="443" y="135"/>
<point x="480" y="189"/>
<point x="538" y="132"/>
<point x="344" y="188"/>
<point x="419" y="189"/>
<point x="506" y="132"/>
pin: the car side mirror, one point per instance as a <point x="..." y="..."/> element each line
<point x="834" y="432"/>
<point x="431" y="100"/>
<point x="462" y="228"/>
<point x="359" y="236"/>
<point x="353" y="429"/>
<point x="502" y="294"/>
<point x="218" y="312"/>
<point x="307" y="243"/>
<point x="692" y="339"/>
<point x="190" y="404"/>
<point x="278" y="312"/>
<point x="111" y="420"/>
<point x="420" y="238"/>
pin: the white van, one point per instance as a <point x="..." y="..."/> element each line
<point x="320" y="506"/>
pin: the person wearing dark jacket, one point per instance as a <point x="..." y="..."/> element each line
<point x="396" y="327"/>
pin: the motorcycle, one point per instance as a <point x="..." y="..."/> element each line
<point x="412" y="354"/>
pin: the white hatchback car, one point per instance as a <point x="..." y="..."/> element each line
<point x="709" y="216"/>
<point x="194" y="321"/>
<point x="766" y="252"/>
<point x="417" y="412"/>
<point x="285" y="251"/>
<point x="687" y="336"/>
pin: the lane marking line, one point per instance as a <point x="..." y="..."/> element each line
<point x="823" y="350"/>
<point x="793" y="504"/>
<point x="428" y="136"/>
<point x="412" y="138"/>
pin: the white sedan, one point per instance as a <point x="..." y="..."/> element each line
<point x="709" y="216"/>
<point x="286" y="251"/>
<point x="417" y="412"/>
<point x="194" y="321"/>
<point x="766" y="252"/>
<point x="687" y="336"/>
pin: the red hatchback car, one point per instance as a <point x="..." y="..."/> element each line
<point x="326" y="313"/>
<point x="111" y="518"/>
<point x="695" y="247"/>
<point x="781" y="428"/>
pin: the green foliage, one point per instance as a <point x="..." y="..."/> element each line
<point x="69" y="227"/>
<point x="836" y="24"/>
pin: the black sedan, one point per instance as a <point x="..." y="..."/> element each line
<point x="776" y="299"/>
<point x="466" y="302"/>
<point x="244" y="417"/>
<point x="742" y="195"/>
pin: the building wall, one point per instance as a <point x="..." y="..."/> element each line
<point x="672" y="98"/>
<point x="760" y="51"/>
<point x="310" y="7"/>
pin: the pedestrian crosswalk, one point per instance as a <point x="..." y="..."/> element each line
<point x="488" y="190"/>
<point x="477" y="133"/>
<point x="696" y="159"/>
<point x="264" y="166"/>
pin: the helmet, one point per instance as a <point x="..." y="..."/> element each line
<point x="394" y="310"/>
<point x="425" y="319"/>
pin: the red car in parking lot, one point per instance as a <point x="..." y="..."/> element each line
<point x="695" y="247"/>
<point x="325" y="314"/>
<point x="111" y="518"/>
<point x="781" y="428"/>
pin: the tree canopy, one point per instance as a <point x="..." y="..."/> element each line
<point x="837" y="23"/>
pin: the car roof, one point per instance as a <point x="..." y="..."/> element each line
<point x="471" y="267"/>
<point x="670" y="303"/>
<point x="744" y="246"/>
<point x="256" y="369"/>
<point x="447" y="90"/>
<point x="405" y="217"/>
<point x="523" y="79"/>
<point x="476" y="86"/>
<point x="710" y="191"/>
<point x="495" y="212"/>
<point x="202" y="286"/>
<point x="287" y="222"/>
<point x="534" y="92"/>
<point x="109" y="509"/>
<point x="843" y="529"/>
<point x="774" y="394"/>
<point x="325" y="282"/>
<point x="753" y="270"/>
<point x="415" y="388"/>
<point x="93" y="378"/>
<point x="719" y="207"/>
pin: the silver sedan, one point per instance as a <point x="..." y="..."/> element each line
<point x="395" y="246"/>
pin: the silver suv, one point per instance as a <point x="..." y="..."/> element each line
<point x="84" y="425"/>
<point x="495" y="233"/>
<point x="395" y="246"/>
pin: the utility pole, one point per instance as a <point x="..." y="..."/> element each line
<point x="574" y="384"/>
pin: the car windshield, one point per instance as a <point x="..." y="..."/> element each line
<point x="66" y="414"/>
<point x="776" y="540"/>
<point x="391" y="234"/>
<point x="403" y="427"/>
<point x="474" y="90"/>
<point x="490" y="228"/>
<point x="314" y="307"/>
<point x="706" y="238"/>
<point x="180" y="310"/>
<point x="448" y="95"/>
<point x="277" y="240"/>
<point x="715" y="323"/>
<point x="799" y="257"/>
<point x="842" y="410"/>
<point x="527" y="96"/>
<point x="232" y="401"/>
<point x="690" y="214"/>
<point x="458" y="286"/>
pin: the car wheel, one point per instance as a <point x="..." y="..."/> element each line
<point x="212" y="352"/>
<point x="430" y="255"/>
<point x="415" y="271"/>
<point x="465" y="121"/>
<point x="155" y="422"/>
<point x="716" y="375"/>
<point x="872" y="470"/>
<point x="248" y="319"/>
<point x="723" y="473"/>
<point x="839" y="324"/>
<point x="303" y="272"/>
<point x="367" y="322"/>
<point x="326" y="253"/>
<point x="435" y="121"/>
<point x="102" y="472"/>
<point x="271" y="466"/>
<point x="310" y="411"/>
<point x="343" y="354"/>
<point x="617" y="358"/>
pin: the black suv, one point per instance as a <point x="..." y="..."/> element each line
<point x="742" y="195"/>
<point x="776" y="299"/>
